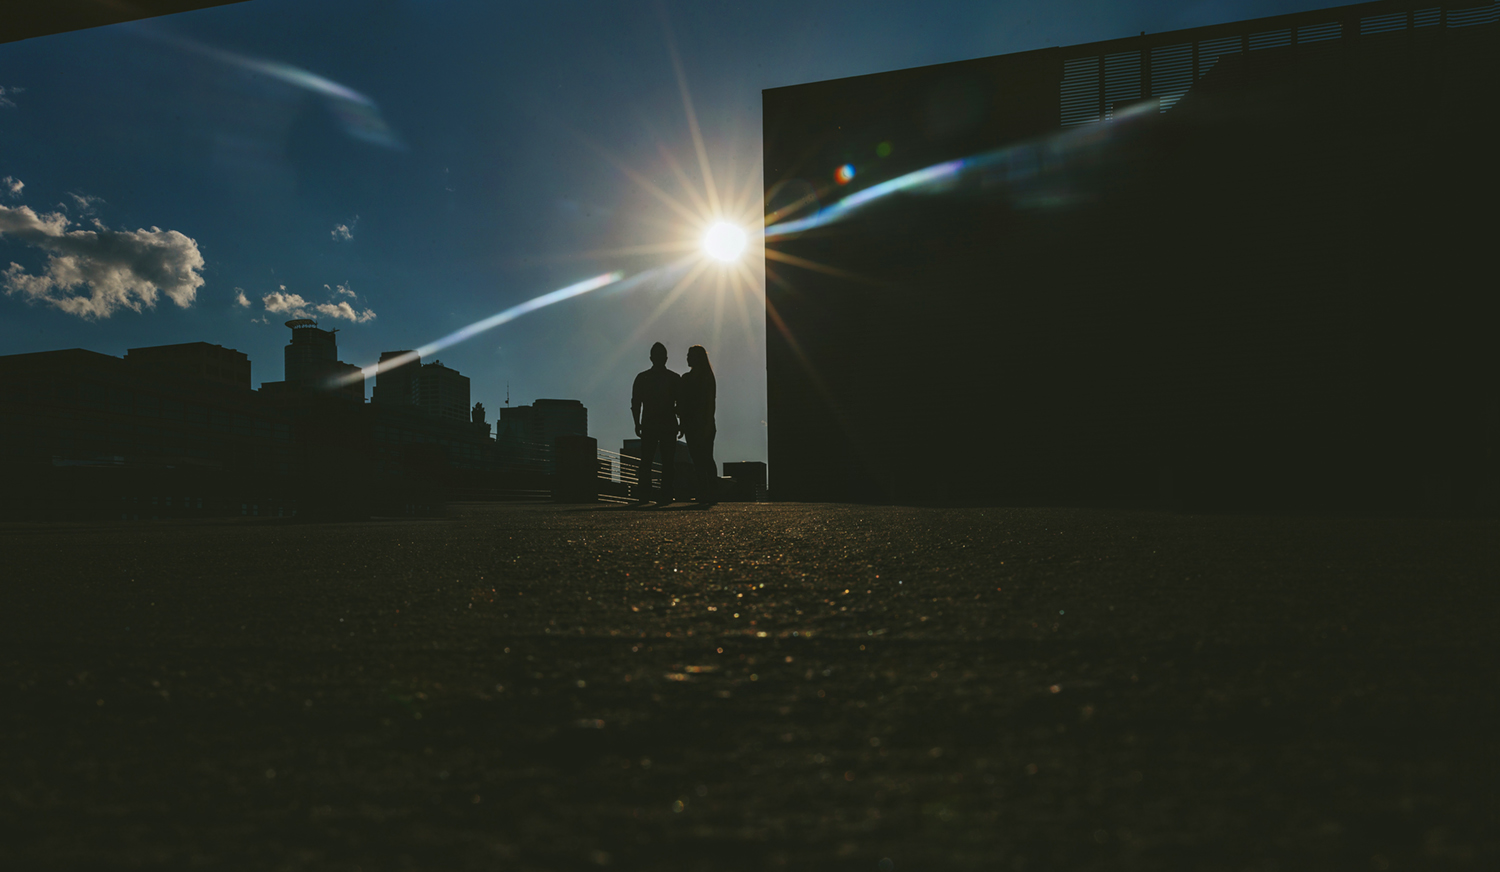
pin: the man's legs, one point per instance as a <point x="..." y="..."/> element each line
<point x="668" y="468"/>
<point x="643" y="484"/>
<point x="650" y="444"/>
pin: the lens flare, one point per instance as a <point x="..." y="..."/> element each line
<point x="724" y="242"/>
<point x="482" y="325"/>
<point x="844" y="174"/>
<point x="1036" y="172"/>
<point x="357" y="114"/>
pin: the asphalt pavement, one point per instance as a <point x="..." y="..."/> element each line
<point x="751" y="686"/>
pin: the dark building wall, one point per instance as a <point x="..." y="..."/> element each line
<point x="442" y="392"/>
<point x="1262" y="297"/>
<point x="87" y="434"/>
<point x="196" y="359"/>
<point x="518" y="440"/>
<point x="311" y="353"/>
<point x="556" y="418"/>
<point x="462" y="446"/>
<point x="395" y="386"/>
<point x="516" y="422"/>
<point x="749" y="478"/>
<point x="311" y="364"/>
<point x="527" y="435"/>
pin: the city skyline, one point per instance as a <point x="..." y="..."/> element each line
<point x="402" y="172"/>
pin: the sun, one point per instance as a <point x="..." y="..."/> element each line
<point x="724" y="242"/>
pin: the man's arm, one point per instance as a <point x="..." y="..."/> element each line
<point x="635" y="405"/>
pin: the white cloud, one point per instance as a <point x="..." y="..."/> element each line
<point x="95" y="272"/>
<point x="86" y="203"/>
<point x="240" y="299"/>
<point x="344" y="291"/>
<point x="12" y="186"/>
<point x="343" y="310"/>
<point x="279" y="302"/>
<point x="345" y="232"/>
<point x="7" y="93"/>
<point x="297" y="307"/>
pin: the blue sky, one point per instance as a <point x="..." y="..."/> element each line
<point x="403" y="168"/>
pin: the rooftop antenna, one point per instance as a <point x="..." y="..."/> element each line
<point x="507" y="395"/>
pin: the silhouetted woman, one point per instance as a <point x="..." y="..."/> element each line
<point x="695" y="409"/>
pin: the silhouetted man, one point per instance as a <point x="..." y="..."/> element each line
<point x="653" y="405"/>
<point x="695" y="409"/>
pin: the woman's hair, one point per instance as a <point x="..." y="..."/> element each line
<point x="701" y="354"/>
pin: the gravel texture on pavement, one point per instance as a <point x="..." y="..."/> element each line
<point x="753" y="686"/>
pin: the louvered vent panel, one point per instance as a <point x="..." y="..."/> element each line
<point x="1470" y="17"/>
<point x="1171" y="73"/>
<point x="1122" y="80"/>
<point x="1086" y="96"/>
<point x="1270" y="39"/>
<point x="1382" y="23"/>
<point x="1319" y="32"/>
<point x="1210" y="50"/>
<point x="1080" y="91"/>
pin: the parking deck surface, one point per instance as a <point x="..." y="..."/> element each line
<point x="754" y="686"/>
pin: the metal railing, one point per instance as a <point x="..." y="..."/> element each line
<point x="619" y="477"/>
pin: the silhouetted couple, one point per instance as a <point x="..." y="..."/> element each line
<point x="665" y="404"/>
